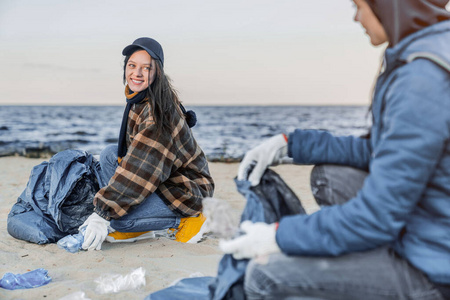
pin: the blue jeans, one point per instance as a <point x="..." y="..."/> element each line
<point x="151" y="214"/>
<point x="375" y="274"/>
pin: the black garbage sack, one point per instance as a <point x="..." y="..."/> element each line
<point x="57" y="199"/>
<point x="267" y="202"/>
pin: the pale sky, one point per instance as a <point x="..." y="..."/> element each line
<point x="252" y="52"/>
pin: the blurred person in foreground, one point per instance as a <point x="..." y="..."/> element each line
<point x="383" y="231"/>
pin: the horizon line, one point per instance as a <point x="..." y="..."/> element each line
<point x="218" y="104"/>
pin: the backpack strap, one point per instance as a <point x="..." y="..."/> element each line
<point x="430" y="56"/>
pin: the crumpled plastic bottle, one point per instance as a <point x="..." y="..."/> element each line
<point x="72" y="243"/>
<point x="219" y="218"/>
<point x="32" y="279"/>
<point x="113" y="283"/>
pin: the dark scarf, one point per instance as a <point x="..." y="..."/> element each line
<point x="134" y="98"/>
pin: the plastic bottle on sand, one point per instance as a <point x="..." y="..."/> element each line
<point x="28" y="280"/>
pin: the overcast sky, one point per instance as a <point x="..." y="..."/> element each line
<point x="248" y="52"/>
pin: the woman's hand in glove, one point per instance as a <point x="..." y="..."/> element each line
<point x="95" y="233"/>
<point x="258" y="239"/>
<point x="266" y="154"/>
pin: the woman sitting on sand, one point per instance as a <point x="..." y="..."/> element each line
<point x="157" y="176"/>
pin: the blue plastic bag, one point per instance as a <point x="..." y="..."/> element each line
<point x="32" y="279"/>
<point x="57" y="199"/>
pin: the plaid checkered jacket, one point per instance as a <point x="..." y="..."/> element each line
<point x="173" y="166"/>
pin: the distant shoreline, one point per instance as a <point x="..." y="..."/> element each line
<point x="45" y="153"/>
<point x="188" y="105"/>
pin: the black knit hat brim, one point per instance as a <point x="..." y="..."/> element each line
<point x="128" y="50"/>
<point x="151" y="46"/>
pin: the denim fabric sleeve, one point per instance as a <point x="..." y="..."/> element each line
<point x="406" y="159"/>
<point x="321" y="147"/>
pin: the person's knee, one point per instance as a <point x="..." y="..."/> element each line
<point x="251" y="284"/>
<point x="319" y="185"/>
<point x="256" y="282"/>
<point x="108" y="155"/>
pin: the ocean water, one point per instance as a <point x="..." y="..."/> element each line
<point x="225" y="133"/>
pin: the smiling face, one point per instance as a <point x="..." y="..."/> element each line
<point x="374" y="29"/>
<point x="139" y="71"/>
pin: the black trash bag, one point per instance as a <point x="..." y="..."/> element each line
<point x="78" y="206"/>
<point x="277" y="198"/>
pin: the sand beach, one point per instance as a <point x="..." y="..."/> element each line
<point x="164" y="260"/>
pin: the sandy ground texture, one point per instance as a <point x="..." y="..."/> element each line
<point x="164" y="260"/>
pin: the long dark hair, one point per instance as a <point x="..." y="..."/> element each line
<point x="163" y="99"/>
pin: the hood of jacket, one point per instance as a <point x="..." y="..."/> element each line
<point x="433" y="40"/>
<point x="401" y="18"/>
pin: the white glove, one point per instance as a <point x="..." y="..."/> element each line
<point x="258" y="240"/>
<point x="270" y="152"/>
<point x="95" y="233"/>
